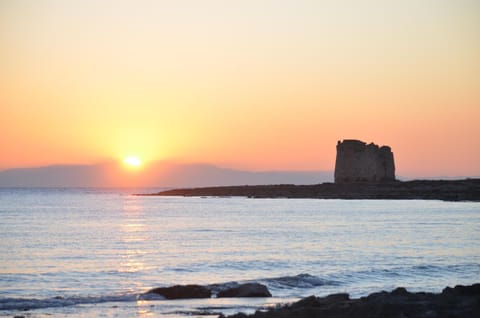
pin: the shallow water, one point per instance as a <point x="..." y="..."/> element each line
<point x="87" y="252"/>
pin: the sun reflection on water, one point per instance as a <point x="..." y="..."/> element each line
<point x="133" y="233"/>
<point x="144" y="310"/>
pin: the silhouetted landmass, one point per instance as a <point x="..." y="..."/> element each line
<point x="458" y="302"/>
<point x="448" y="190"/>
<point x="56" y="176"/>
<point x="155" y="174"/>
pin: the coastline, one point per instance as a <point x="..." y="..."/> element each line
<point x="460" y="301"/>
<point x="446" y="190"/>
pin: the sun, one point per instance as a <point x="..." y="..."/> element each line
<point x="132" y="161"/>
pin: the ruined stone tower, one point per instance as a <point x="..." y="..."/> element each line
<point x="358" y="162"/>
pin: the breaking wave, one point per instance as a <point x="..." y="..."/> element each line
<point x="279" y="286"/>
<point x="33" y="303"/>
<point x="298" y="281"/>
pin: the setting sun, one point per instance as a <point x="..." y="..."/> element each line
<point x="132" y="161"/>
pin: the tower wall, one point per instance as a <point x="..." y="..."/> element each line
<point x="360" y="162"/>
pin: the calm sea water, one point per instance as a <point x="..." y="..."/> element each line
<point x="87" y="252"/>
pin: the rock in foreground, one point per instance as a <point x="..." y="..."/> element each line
<point x="458" y="302"/>
<point x="229" y="290"/>
<point x="246" y="290"/>
<point x="182" y="292"/>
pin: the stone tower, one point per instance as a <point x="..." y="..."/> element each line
<point x="358" y="162"/>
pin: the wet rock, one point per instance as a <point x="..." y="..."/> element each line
<point x="379" y="297"/>
<point x="310" y="301"/>
<point x="463" y="290"/>
<point x="245" y="290"/>
<point x="216" y="288"/>
<point x="400" y="291"/>
<point x="313" y="301"/>
<point x="182" y="292"/>
<point x="458" y="302"/>
<point x="239" y="315"/>
<point x="335" y="298"/>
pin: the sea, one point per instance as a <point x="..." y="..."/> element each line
<point x="96" y="252"/>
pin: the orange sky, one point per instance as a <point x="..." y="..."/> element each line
<point x="256" y="85"/>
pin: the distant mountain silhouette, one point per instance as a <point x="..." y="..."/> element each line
<point x="158" y="174"/>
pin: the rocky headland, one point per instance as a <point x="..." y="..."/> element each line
<point x="457" y="302"/>
<point x="447" y="190"/>
<point x="362" y="171"/>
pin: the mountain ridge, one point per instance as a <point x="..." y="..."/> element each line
<point x="156" y="174"/>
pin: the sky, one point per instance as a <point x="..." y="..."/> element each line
<point x="258" y="85"/>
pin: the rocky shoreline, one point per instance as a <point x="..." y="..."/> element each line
<point x="457" y="302"/>
<point x="447" y="190"/>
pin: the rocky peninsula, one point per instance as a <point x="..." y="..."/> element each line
<point x="447" y="190"/>
<point x="362" y="171"/>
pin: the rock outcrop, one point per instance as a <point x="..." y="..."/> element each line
<point x="182" y="292"/>
<point x="358" y="161"/>
<point x="246" y="290"/>
<point x="458" y="302"/>
<point x="227" y="290"/>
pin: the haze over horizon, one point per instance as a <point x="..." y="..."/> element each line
<point x="155" y="174"/>
<point x="164" y="174"/>
<point x="247" y="85"/>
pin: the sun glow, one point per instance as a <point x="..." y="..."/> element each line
<point x="132" y="161"/>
